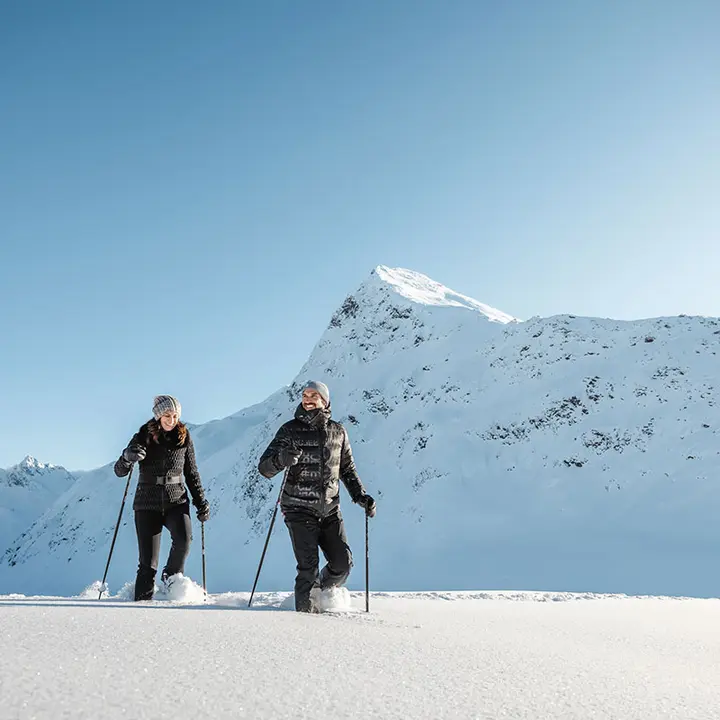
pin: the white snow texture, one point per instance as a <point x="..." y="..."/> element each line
<point x="534" y="656"/>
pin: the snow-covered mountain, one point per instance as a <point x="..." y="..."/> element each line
<point x="27" y="490"/>
<point x="562" y="453"/>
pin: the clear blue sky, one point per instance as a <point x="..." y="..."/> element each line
<point x="188" y="190"/>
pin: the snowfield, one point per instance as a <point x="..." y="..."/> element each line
<point x="415" y="655"/>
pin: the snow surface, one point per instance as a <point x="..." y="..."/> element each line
<point x="562" y="453"/>
<point x="434" y="655"/>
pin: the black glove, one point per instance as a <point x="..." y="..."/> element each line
<point x="134" y="453"/>
<point x="369" y="504"/>
<point x="203" y="512"/>
<point x="289" y="456"/>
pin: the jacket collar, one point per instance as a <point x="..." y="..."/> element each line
<point x="317" y="418"/>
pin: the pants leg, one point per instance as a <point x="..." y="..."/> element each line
<point x="148" y="526"/>
<point x="304" y="530"/>
<point x="177" y="521"/>
<point x="333" y="543"/>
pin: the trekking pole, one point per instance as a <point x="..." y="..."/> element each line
<point x="267" y="539"/>
<point x="117" y="527"/>
<point x="367" y="566"/>
<point x="202" y="536"/>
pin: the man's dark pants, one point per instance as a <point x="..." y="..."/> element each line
<point x="309" y="532"/>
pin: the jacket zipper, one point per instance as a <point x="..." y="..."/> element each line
<point x="323" y="439"/>
<point x="164" y="485"/>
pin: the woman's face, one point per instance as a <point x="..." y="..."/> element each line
<point x="169" y="420"/>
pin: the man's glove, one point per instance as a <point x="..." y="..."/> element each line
<point x="134" y="453"/>
<point x="289" y="456"/>
<point x="369" y="504"/>
<point x="203" y="512"/>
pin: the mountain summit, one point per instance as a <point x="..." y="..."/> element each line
<point x="422" y="290"/>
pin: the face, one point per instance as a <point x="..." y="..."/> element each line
<point x="312" y="399"/>
<point x="169" y="420"/>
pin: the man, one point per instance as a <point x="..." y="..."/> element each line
<point x="317" y="452"/>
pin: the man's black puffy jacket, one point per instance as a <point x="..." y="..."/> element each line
<point x="313" y="484"/>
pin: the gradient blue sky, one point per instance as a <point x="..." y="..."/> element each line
<point x="189" y="190"/>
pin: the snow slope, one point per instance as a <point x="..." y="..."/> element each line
<point x="528" y="656"/>
<point x="562" y="453"/>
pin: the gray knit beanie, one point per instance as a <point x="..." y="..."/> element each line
<point x="165" y="403"/>
<point x="320" y="388"/>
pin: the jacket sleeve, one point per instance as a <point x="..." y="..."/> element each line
<point x="122" y="466"/>
<point x="269" y="464"/>
<point x="348" y="473"/>
<point x="192" y="475"/>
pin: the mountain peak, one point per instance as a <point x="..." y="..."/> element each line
<point x="396" y="309"/>
<point x="31" y="465"/>
<point x="421" y="289"/>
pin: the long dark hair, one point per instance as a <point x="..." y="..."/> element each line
<point x="155" y="428"/>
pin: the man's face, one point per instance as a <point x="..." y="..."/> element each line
<point x="312" y="399"/>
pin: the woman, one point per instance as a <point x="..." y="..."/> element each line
<point x="164" y="451"/>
